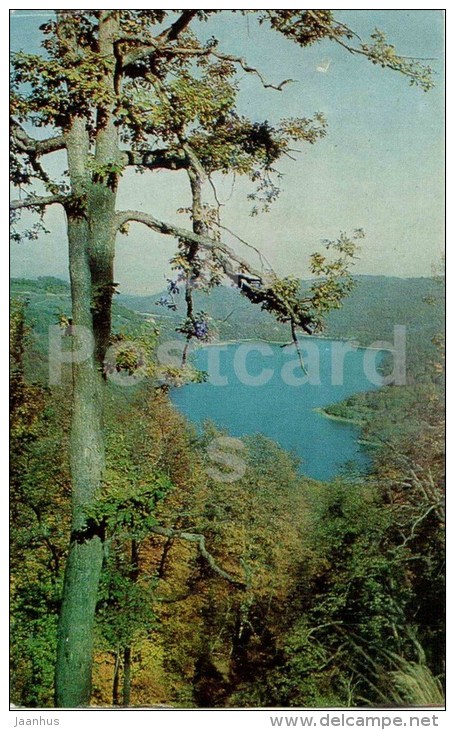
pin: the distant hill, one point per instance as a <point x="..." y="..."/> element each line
<point x="48" y="298"/>
<point x="369" y="313"/>
<point x="234" y="317"/>
<point x="376" y="304"/>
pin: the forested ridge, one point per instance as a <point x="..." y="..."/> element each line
<point x="332" y="593"/>
<point x="374" y="306"/>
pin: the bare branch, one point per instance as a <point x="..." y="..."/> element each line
<point x="167" y="35"/>
<point x="297" y="347"/>
<point x="183" y="234"/>
<point x="196" y="176"/>
<point x="218" y="202"/>
<point x="199" y="540"/>
<point x="414" y="525"/>
<point x="263" y="259"/>
<point x="35" y="201"/>
<point x="141" y="54"/>
<point x="363" y="51"/>
<point x="242" y="62"/>
<point x="251" y="70"/>
<point x="31" y="146"/>
<point x="193" y="161"/>
<point x="232" y="265"/>
<point x="174" y="30"/>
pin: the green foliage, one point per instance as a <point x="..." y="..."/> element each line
<point x="309" y="26"/>
<point x="354" y="642"/>
<point x="184" y="96"/>
<point x="132" y="354"/>
<point x="39" y="512"/>
<point x="369" y="313"/>
<point x="334" y="281"/>
<point x="414" y="685"/>
<point x="383" y="53"/>
<point x="125" y="613"/>
<point x="26" y="401"/>
<point x="33" y="639"/>
<point x="49" y="303"/>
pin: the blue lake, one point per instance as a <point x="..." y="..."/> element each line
<point x="260" y="388"/>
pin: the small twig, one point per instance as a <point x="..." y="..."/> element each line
<point x="363" y="51"/>
<point x="263" y="259"/>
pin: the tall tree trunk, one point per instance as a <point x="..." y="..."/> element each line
<point x="127" y="676"/>
<point x="75" y="634"/>
<point x="134" y="575"/>
<point x="75" y="631"/>
<point x="91" y="237"/>
<point x="103" y="191"/>
<point x="116" y="680"/>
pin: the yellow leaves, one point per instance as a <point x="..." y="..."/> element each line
<point x="303" y="129"/>
<point x="151" y="679"/>
<point x="381" y="52"/>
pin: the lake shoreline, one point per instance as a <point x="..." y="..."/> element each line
<point x="342" y="419"/>
<point x="240" y="340"/>
<point x="221" y="343"/>
<point x="349" y="421"/>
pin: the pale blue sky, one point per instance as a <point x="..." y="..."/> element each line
<point x="380" y="166"/>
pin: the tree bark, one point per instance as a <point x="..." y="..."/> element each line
<point x="75" y="631"/>
<point x="75" y="642"/>
<point x="127" y="676"/>
<point x="134" y="575"/>
<point x="116" y="679"/>
<point x="200" y="228"/>
<point x="103" y="193"/>
<point x="91" y="237"/>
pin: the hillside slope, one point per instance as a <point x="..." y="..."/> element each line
<point x="376" y="304"/>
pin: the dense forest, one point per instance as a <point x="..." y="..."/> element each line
<point x="300" y="594"/>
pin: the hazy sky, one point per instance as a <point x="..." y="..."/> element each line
<point x="380" y="166"/>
